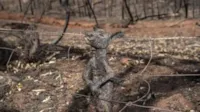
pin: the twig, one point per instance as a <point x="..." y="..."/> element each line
<point x="151" y="56"/>
<point x="9" y="58"/>
<point x="140" y="74"/>
<point x="47" y="109"/>
<point x="68" y="53"/>
<point x="149" y="88"/>
<point x="127" y="105"/>
<point x="67" y="19"/>
<point x="51" y="56"/>
<point x="134" y="102"/>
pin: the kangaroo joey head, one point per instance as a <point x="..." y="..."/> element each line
<point x="98" y="39"/>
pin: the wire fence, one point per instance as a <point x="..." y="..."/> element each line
<point x="57" y="33"/>
<point x="127" y="104"/>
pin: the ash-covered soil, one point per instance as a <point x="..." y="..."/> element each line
<point x="56" y="85"/>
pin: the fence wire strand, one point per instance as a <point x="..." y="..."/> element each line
<point x="56" y="33"/>
<point x="128" y="103"/>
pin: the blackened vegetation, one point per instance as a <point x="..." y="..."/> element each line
<point x="21" y="26"/>
<point x="27" y="46"/>
<point x="4" y="54"/>
<point x="134" y="10"/>
<point x="186" y="6"/>
<point x="30" y="45"/>
<point x="1" y="6"/>
<point x="29" y="6"/>
<point x="33" y="51"/>
<point x="65" y="4"/>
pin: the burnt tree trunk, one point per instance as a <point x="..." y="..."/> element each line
<point x="68" y="13"/>
<point x="199" y="6"/>
<point x="144" y="8"/>
<point x="93" y="13"/>
<point x="193" y="8"/>
<point x="50" y="4"/>
<point x="79" y="9"/>
<point x="158" y="9"/>
<point x="85" y="9"/>
<point x="111" y="7"/>
<point x="37" y="3"/>
<point x="178" y="5"/>
<point x="43" y="11"/>
<point x="186" y="6"/>
<point x="129" y="13"/>
<point x="104" y="7"/>
<point x="88" y="10"/>
<point x="152" y="8"/>
<point x="122" y="11"/>
<point x="136" y="11"/>
<point x="20" y="5"/>
<point x="175" y="5"/>
<point x="32" y="9"/>
<point x="27" y="8"/>
<point x="1" y="5"/>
